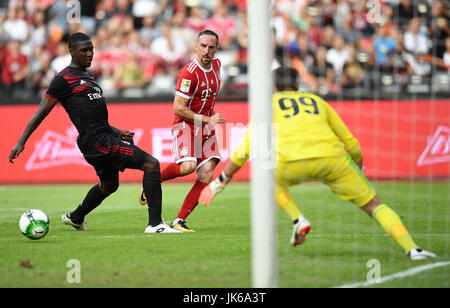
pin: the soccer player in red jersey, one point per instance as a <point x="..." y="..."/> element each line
<point x="195" y="145"/>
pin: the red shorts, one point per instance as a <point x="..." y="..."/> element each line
<point x="194" y="143"/>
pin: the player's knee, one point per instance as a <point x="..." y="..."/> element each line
<point x="151" y="164"/>
<point x="108" y="188"/>
<point x="113" y="188"/>
<point x="370" y="206"/>
<point x="188" y="167"/>
<point x="206" y="177"/>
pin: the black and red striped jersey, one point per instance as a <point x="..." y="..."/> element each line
<point x="83" y="100"/>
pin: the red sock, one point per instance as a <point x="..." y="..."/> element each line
<point x="191" y="200"/>
<point x="172" y="171"/>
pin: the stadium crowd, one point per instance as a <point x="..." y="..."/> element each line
<point x="140" y="45"/>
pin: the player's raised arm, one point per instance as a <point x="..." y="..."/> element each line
<point x="44" y="109"/>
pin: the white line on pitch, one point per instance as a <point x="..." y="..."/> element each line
<point x="400" y="275"/>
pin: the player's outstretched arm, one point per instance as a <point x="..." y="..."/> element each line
<point x="44" y="109"/>
<point x="237" y="160"/>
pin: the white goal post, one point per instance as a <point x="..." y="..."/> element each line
<point x="263" y="209"/>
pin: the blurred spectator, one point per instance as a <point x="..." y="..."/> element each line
<point x="415" y="41"/>
<point x="224" y="24"/>
<point x="359" y="16"/>
<point x="180" y="33"/>
<point x="15" y="68"/>
<point x="144" y="8"/>
<point x="439" y="27"/>
<point x="347" y="31"/>
<point x="57" y="20"/>
<point x="38" y="31"/>
<point x="113" y="55"/>
<point x="338" y="56"/>
<point x="130" y="74"/>
<point x="353" y="73"/>
<point x="446" y="56"/>
<point x="196" y="20"/>
<point x="149" y="31"/>
<point x="170" y="53"/>
<point x="404" y="13"/>
<point x="328" y="36"/>
<point x="384" y="45"/>
<point x="15" y="28"/>
<point x="323" y="71"/>
<point x="88" y="19"/>
<point x="62" y="58"/>
<point x="41" y="72"/>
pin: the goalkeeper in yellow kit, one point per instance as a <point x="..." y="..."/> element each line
<point x="315" y="144"/>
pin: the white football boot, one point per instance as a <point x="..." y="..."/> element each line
<point x="420" y="254"/>
<point x="300" y="230"/>
<point x="67" y="221"/>
<point x="161" y="228"/>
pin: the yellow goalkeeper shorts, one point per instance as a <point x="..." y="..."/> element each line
<point x="340" y="173"/>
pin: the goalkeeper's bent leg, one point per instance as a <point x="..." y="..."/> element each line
<point x="391" y="223"/>
<point x="286" y="202"/>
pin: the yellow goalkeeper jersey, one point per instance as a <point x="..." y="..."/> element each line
<point x="309" y="128"/>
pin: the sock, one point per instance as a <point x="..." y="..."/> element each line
<point x="392" y="224"/>
<point x="152" y="188"/>
<point x="287" y="203"/>
<point x="191" y="200"/>
<point x="170" y="172"/>
<point x="93" y="199"/>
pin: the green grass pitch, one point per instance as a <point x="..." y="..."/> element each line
<point x="115" y="252"/>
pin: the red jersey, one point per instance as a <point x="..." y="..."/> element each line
<point x="199" y="86"/>
<point x="11" y="65"/>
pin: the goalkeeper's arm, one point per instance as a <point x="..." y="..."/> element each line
<point x="237" y="160"/>
<point x="216" y="186"/>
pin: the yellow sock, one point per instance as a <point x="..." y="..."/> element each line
<point x="287" y="203"/>
<point x="392" y="224"/>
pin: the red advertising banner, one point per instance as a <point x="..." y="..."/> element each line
<point x="399" y="139"/>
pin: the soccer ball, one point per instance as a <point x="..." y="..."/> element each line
<point x="34" y="224"/>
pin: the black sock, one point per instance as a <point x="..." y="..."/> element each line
<point x="152" y="188"/>
<point x="93" y="199"/>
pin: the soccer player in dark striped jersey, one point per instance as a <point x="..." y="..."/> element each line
<point x="108" y="149"/>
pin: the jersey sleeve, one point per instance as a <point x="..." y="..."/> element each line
<point x="58" y="90"/>
<point x="242" y="153"/>
<point x="186" y="84"/>
<point x="343" y="133"/>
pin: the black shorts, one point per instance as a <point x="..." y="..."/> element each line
<point x="111" y="154"/>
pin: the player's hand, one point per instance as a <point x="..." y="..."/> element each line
<point x="217" y="119"/>
<point x="15" y="152"/>
<point x="126" y="134"/>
